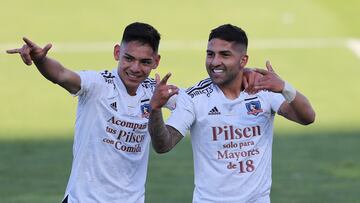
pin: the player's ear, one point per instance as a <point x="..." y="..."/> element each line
<point x="117" y="52"/>
<point x="157" y="60"/>
<point x="243" y="61"/>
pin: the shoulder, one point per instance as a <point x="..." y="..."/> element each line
<point x="97" y="76"/>
<point x="149" y="83"/>
<point x="98" y="79"/>
<point x="204" y="88"/>
<point x="265" y="94"/>
<point x="106" y="74"/>
<point x="267" y="98"/>
<point x="262" y="95"/>
<point x="95" y="83"/>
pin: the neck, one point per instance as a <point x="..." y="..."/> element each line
<point x="233" y="89"/>
<point x="130" y="91"/>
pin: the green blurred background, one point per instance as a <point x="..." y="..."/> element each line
<point x="313" y="44"/>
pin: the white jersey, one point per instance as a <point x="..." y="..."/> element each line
<point x="111" y="143"/>
<point x="231" y="141"/>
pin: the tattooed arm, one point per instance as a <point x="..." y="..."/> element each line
<point x="163" y="137"/>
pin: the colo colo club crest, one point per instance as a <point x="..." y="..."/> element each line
<point x="253" y="108"/>
<point x="145" y="110"/>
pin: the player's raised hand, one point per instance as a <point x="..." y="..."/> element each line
<point x="162" y="92"/>
<point x="30" y="52"/>
<point x="270" y="80"/>
<point x="250" y="78"/>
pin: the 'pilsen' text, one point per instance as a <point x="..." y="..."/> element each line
<point x="230" y="132"/>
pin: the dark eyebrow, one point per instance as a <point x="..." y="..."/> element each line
<point x="132" y="57"/>
<point x="129" y="56"/>
<point x="221" y="52"/>
<point x="146" y="60"/>
<point x="227" y="52"/>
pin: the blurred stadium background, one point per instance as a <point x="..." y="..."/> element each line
<point x="313" y="44"/>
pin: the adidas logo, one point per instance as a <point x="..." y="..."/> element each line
<point x="113" y="106"/>
<point x="214" y="111"/>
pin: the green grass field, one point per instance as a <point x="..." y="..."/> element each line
<point x="307" y="42"/>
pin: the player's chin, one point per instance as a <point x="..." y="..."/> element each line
<point x="216" y="80"/>
<point x="136" y="80"/>
<point x="133" y="82"/>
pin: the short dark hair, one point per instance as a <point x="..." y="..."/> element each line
<point x="143" y="33"/>
<point x="229" y="33"/>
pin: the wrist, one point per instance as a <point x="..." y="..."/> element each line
<point x="289" y="92"/>
<point x="154" y="108"/>
<point x="39" y="61"/>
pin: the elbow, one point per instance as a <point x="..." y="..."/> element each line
<point x="161" y="151"/>
<point x="309" y="119"/>
<point x="307" y="122"/>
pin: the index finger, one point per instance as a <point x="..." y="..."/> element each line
<point x="165" y="79"/>
<point x="29" y="42"/>
<point x="261" y="71"/>
<point x="13" y="51"/>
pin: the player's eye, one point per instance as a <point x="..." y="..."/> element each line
<point x="146" y="62"/>
<point x="225" y="54"/>
<point x="128" y="58"/>
<point x="209" y="54"/>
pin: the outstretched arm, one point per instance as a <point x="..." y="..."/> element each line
<point x="49" y="68"/>
<point x="296" y="107"/>
<point x="163" y="137"/>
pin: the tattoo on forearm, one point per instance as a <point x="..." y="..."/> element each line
<point x="163" y="137"/>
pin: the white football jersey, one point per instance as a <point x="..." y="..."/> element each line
<point x="111" y="143"/>
<point x="231" y="141"/>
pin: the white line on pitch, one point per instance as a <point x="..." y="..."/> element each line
<point x="354" y="45"/>
<point x="173" y="45"/>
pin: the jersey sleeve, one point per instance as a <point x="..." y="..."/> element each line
<point x="89" y="80"/>
<point x="171" y="104"/>
<point x="183" y="116"/>
<point x="276" y="99"/>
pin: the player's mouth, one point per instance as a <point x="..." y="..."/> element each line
<point x="133" y="77"/>
<point x="217" y="71"/>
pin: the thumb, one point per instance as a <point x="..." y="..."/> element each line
<point x="245" y="83"/>
<point x="269" y="67"/>
<point x="47" y="48"/>
<point x="157" y="78"/>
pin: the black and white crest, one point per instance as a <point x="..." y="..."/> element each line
<point x="253" y="108"/>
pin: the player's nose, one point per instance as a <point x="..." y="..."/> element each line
<point x="216" y="61"/>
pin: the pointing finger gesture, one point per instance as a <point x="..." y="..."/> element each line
<point x="30" y="52"/>
<point x="162" y="92"/>
<point x="270" y="80"/>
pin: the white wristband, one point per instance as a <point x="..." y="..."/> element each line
<point x="288" y="92"/>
